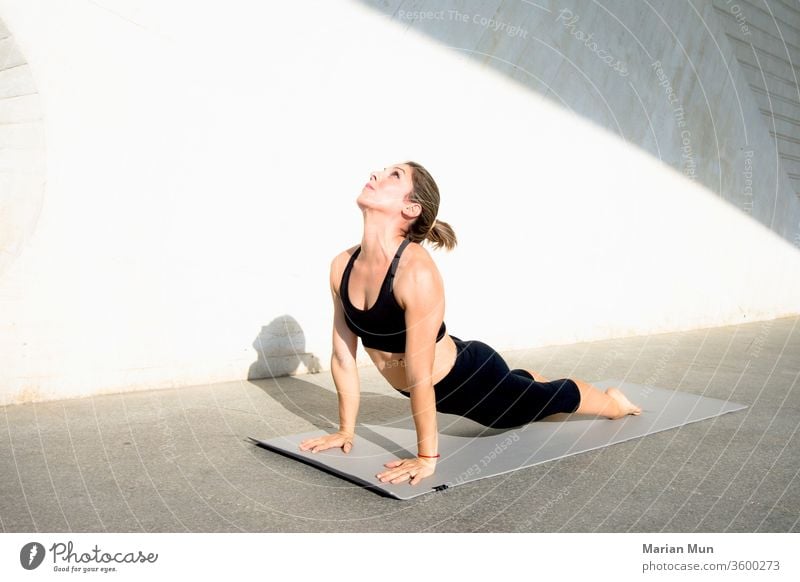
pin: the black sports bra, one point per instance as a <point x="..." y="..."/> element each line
<point x="383" y="325"/>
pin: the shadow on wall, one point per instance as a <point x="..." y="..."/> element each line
<point x="578" y="57"/>
<point x="281" y="349"/>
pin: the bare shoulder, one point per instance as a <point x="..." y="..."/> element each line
<point x="416" y="272"/>
<point x="417" y="256"/>
<point x="344" y="256"/>
<point x="338" y="265"/>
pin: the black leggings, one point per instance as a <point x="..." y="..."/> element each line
<point x="482" y="388"/>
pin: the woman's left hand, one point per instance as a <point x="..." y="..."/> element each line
<point x="415" y="470"/>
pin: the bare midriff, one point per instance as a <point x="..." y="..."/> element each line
<point x="392" y="365"/>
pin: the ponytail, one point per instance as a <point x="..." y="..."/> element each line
<point x="441" y="234"/>
<point x="427" y="226"/>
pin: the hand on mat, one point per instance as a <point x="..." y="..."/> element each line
<point x="337" y="439"/>
<point x="415" y="470"/>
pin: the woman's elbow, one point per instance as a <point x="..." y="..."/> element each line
<point x="344" y="359"/>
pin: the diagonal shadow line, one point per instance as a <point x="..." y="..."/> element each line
<point x="521" y="74"/>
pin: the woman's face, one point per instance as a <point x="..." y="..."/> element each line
<point x="388" y="188"/>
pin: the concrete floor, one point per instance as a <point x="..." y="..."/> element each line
<point x="179" y="460"/>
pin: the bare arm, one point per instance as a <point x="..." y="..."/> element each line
<point x="424" y="311"/>
<point x="343" y="360"/>
<point x="345" y="376"/>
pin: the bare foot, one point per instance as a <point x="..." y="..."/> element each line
<point x="625" y="406"/>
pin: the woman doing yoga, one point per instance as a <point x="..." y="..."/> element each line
<point x="388" y="292"/>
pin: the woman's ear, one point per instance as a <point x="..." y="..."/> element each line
<point x="413" y="210"/>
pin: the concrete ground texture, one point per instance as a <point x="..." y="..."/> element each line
<point x="179" y="460"/>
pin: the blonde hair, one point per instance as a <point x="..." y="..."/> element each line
<point x="427" y="226"/>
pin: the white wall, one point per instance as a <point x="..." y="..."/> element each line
<point x="203" y="161"/>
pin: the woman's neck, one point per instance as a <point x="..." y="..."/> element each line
<point x="379" y="244"/>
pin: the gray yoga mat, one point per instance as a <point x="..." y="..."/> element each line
<point x="470" y="451"/>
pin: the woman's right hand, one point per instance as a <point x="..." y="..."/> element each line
<point x="337" y="439"/>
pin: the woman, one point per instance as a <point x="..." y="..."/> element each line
<point x="388" y="292"/>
